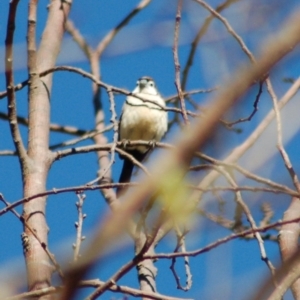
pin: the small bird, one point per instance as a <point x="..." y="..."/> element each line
<point x="141" y="120"/>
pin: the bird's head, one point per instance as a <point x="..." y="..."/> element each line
<point x="146" y="85"/>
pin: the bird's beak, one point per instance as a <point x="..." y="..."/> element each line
<point x="143" y="83"/>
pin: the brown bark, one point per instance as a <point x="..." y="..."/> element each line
<point x="38" y="162"/>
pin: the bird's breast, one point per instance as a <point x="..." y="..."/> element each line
<point x="142" y="123"/>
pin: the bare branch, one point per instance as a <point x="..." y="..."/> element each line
<point x="229" y="28"/>
<point x="198" y="37"/>
<point x="181" y="245"/>
<point x="177" y="64"/>
<point x="12" y="106"/>
<point x="255" y="109"/>
<point x="110" y="36"/>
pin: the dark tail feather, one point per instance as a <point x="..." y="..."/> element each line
<point x="127" y="170"/>
<point x="125" y="176"/>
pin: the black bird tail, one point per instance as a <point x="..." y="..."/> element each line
<point x="127" y="170"/>
<point x="125" y="176"/>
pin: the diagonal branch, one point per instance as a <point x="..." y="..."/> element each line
<point x="197" y="39"/>
<point x="110" y="36"/>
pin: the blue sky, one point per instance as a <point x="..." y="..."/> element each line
<point x="145" y="48"/>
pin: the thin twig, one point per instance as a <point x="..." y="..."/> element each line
<point x="229" y="28"/>
<point x="17" y="87"/>
<point x="177" y="64"/>
<point x="8" y="153"/>
<point x="181" y="245"/>
<point x="110" y="36"/>
<point x="255" y="109"/>
<point x="197" y="39"/>
<point x="81" y="216"/>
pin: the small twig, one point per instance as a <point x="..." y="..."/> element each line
<point x="197" y="39"/>
<point x="110" y="36"/>
<point x="177" y="64"/>
<point x="17" y="87"/>
<point x="229" y="28"/>
<point x="181" y="245"/>
<point x="81" y="216"/>
<point x="8" y="153"/>
<point x="255" y="109"/>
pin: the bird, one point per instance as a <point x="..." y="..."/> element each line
<point x="141" y="120"/>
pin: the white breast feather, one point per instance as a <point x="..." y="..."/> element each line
<point x="143" y="120"/>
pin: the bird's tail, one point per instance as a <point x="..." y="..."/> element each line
<point x="127" y="171"/>
<point x="125" y="176"/>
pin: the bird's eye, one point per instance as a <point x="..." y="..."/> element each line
<point x="151" y="83"/>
